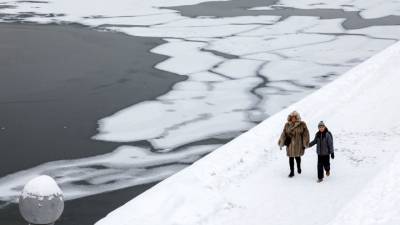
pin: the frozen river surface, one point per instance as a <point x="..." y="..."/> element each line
<point x="240" y="62"/>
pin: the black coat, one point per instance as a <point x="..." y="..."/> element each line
<point x="324" y="141"/>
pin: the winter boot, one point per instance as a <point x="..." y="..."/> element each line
<point x="299" y="170"/>
<point x="319" y="180"/>
<point x="328" y="173"/>
<point x="291" y="174"/>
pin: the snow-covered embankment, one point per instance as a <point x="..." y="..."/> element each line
<point x="245" y="182"/>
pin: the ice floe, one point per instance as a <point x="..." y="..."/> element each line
<point x="126" y="166"/>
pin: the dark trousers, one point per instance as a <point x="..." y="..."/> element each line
<point x="323" y="163"/>
<point x="291" y="163"/>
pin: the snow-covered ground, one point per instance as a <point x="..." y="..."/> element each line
<point x="245" y="181"/>
<point x="240" y="69"/>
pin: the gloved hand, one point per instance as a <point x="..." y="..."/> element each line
<point x="333" y="155"/>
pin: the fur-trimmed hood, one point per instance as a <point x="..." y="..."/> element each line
<point x="296" y="114"/>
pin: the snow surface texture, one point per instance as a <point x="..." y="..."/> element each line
<point x="240" y="70"/>
<point x="41" y="186"/>
<point x="245" y="181"/>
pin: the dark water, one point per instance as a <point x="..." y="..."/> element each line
<point x="56" y="82"/>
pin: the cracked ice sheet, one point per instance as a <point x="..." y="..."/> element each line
<point x="316" y="4"/>
<point x="389" y="32"/>
<point x="239" y="68"/>
<point x="211" y="21"/>
<point x="343" y="50"/>
<point x="313" y="60"/>
<point x="182" y="109"/>
<point x="229" y="186"/>
<point x="186" y="32"/>
<point x="125" y="167"/>
<point x="187" y="113"/>
<point x="291" y="25"/>
<point x="243" y="45"/>
<point x="174" y="19"/>
<point x="185" y="57"/>
<point x="142" y="20"/>
<point x="376" y="9"/>
<point x="302" y="72"/>
<point x="331" y="26"/>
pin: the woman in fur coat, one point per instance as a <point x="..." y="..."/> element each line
<point x="295" y="137"/>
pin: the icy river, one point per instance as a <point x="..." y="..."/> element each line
<point x="110" y="97"/>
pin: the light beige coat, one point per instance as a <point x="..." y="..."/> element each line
<point x="299" y="135"/>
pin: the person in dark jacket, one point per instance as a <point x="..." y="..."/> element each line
<point x="324" y="141"/>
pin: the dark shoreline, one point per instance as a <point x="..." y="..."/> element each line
<point x="57" y="81"/>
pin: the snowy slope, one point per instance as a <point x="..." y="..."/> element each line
<point x="245" y="181"/>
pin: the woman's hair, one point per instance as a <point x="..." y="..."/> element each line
<point x="296" y="114"/>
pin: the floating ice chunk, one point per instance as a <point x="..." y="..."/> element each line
<point x="175" y="113"/>
<point x="125" y="167"/>
<point x="262" y="8"/>
<point x="369" y="9"/>
<point x="209" y="127"/>
<point x="377" y="8"/>
<point x="185" y="57"/>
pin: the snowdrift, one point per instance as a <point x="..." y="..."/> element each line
<point x="245" y="181"/>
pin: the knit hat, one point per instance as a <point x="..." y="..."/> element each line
<point x="321" y="123"/>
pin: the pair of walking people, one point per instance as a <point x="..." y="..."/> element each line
<point x="295" y="136"/>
